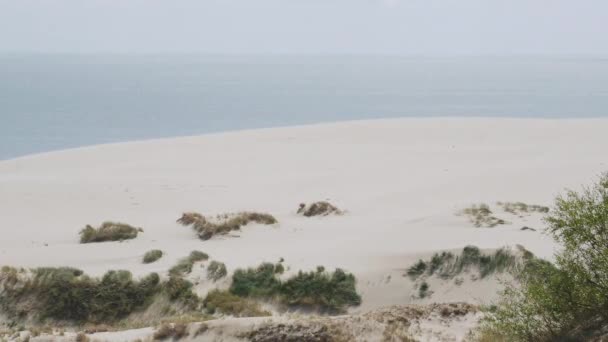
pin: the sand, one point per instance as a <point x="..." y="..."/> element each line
<point x="401" y="181"/>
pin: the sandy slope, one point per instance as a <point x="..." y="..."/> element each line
<point x="402" y="181"/>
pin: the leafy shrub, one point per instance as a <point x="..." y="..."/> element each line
<point x="481" y="216"/>
<point x="230" y="304"/>
<point x="321" y="208"/>
<point x="566" y="301"/>
<point x="207" y="227"/>
<point x="255" y="282"/>
<point x="152" y="256"/>
<point x="184" y="266"/>
<point x="216" y="270"/>
<point x="108" y="231"/>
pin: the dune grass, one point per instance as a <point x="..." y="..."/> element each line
<point x="446" y="265"/>
<point x="481" y="216"/>
<point x="227" y="303"/>
<point x="321" y="208"/>
<point x="519" y="208"/>
<point x="108" y="231"/>
<point x="152" y="256"/>
<point x="184" y="266"/>
<point x="208" y="227"/>
<point x="216" y="270"/>
<point x="316" y="290"/>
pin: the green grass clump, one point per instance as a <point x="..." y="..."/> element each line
<point x="184" y="266"/>
<point x="227" y="303"/>
<point x="423" y="290"/>
<point x="152" y="256"/>
<point x="207" y="227"/>
<point x="108" y="231"/>
<point x="481" y="216"/>
<point x="318" y="290"/>
<point x="447" y="265"/>
<point x="216" y="270"/>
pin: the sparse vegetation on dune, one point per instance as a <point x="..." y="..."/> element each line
<point x="152" y="256"/>
<point x="208" y="227"/>
<point x="321" y="208"/>
<point x="317" y="290"/>
<point x="481" y="216"/>
<point x="446" y="265"/>
<point x="184" y="266"/>
<point x="227" y="303"/>
<point x="108" y="231"/>
<point x="167" y="331"/>
<point x="519" y="208"/>
<point x="216" y="270"/>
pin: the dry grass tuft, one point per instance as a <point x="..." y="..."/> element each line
<point x="321" y="208"/>
<point x="207" y="227"/>
<point x="108" y="231"/>
<point x="481" y="216"/>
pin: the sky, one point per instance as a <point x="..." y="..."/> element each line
<point x="393" y="27"/>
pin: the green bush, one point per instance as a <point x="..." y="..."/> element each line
<point x="216" y="270"/>
<point x="567" y="301"/>
<point x="255" y="282"/>
<point x="152" y="256"/>
<point x="321" y="208"/>
<point x="207" y="227"/>
<point x="229" y="304"/>
<point x="184" y="266"/>
<point x="108" y="231"/>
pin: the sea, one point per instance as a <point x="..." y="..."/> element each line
<point x="57" y="101"/>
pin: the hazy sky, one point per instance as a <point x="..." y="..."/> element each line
<point x="410" y="27"/>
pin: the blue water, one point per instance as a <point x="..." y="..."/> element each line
<point x="50" y="102"/>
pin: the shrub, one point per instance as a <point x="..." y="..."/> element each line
<point x="321" y="208"/>
<point x="108" y="231"/>
<point x="152" y="256"/>
<point x="216" y="270"/>
<point x="230" y="304"/>
<point x="481" y="216"/>
<point x="179" y="289"/>
<point x="184" y="266"/>
<point x="423" y="290"/>
<point x="255" y="282"/>
<point x="566" y="301"/>
<point x="207" y="227"/>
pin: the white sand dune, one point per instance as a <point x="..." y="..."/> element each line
<point x="401" y="181"/>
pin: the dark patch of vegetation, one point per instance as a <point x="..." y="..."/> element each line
<point x="318" y="290"/>
<point x="174" y="331"/>
<point x="423" y="290"/>
<point x="481" y="216"/>
<point x="528" y="228"/>
<point x="207" y="227"/>
<point x="519" y="208"/>
<point x="179" y="289"/>
<point x="227" y="303"/>
<point x="152" y="256"/>
<point x="447" y="265"/>
<point x="108" y="231"/>
<point x="565" y="301"/>
<point x="321" y="208"/>
<point x="216" y="270"/>
<point x="184" y="266"/>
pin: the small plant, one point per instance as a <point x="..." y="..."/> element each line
<point x="108" y="231"/>
<point x="417" y="270"/>
<point x="423" y="290"/>
<point x="519" y="208"/>
<point x="216" y="270"/>
<point x="207" y="227"/>
<point x="227" y="303"/>
<point x="321" y="208"/>
<point x="152" y="256"/>
<point x="481" y="216"/>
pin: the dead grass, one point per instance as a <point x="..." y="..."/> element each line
<point x="108" y="231"/>
<point x="208" y="227"/>
<point x="321" y="208"/>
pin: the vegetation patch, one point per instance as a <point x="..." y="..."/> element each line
<point x="446" y="265"/>
<point x="519" y="208"/>
<point x="216" y="270"/>
<point x="227" y="303"/>
<point x="171" y="331"/>
<point x="321" y="208"/>
<point x="184" y="266"/>
<point x="207" y="227"/>
<point x="152" y="256"/>
<point x="108" y="231"/>
<point x="481" y="216"/>
<point x="318" y="290"/>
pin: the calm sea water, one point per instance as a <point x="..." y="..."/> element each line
<point x="50" y="102"/>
